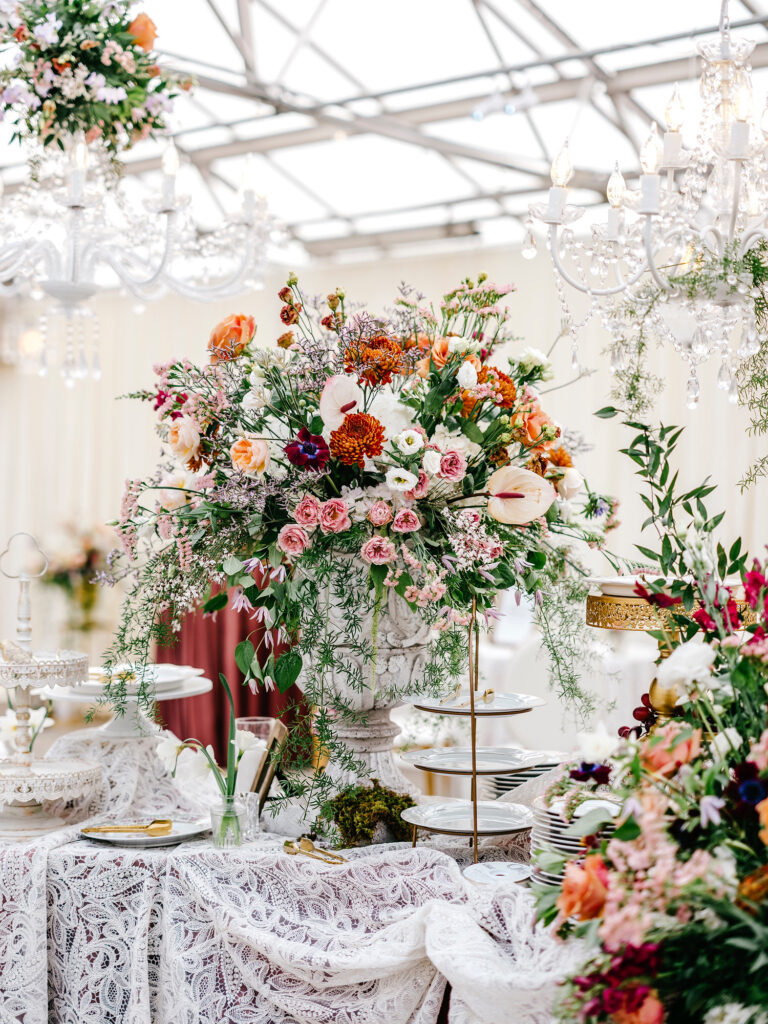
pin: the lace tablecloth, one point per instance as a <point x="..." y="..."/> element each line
<point x="190" y="934"/>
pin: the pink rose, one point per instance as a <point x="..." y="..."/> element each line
<point x="334" y="516"/>
<point x="307" y="512"/>
<point x="453" y="466"/>
<point x="293" y="540"/>
<point x="379" y="513"/>
<point x="421" y="488"/>
<point x="378" y="551"/>
<point x="406" y="521"/>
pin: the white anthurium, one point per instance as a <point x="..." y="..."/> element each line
<point x="341" y="396"/>
<point x="518" y="496"/>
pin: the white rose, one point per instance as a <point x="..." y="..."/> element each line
<point x="431" y="462"/>
<point x="531" y="359"/>
<point x="409" y="441"/>
<point x="596" y="747"/>
<point x="391" y="413"/>
<point x="689" y="663"/>
<point x="400" y="479"/>
<point x="725" y="742"/>
<point x="467" y="375"/>
<point x="570" y="483"/>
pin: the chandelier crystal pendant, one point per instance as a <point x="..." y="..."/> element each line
<point x="684" y="257"/>
<point x="73" y="230"/>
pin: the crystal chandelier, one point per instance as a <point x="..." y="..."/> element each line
<point x="684" y="257"/>
<point x="74" y="229"/>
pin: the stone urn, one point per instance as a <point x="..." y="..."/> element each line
<point x="400" y="637"/>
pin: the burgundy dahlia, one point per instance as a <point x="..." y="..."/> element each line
<point x="308" y="451"/>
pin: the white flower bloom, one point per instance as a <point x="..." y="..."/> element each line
<point x="566" y="509"/>
<point x="531" y="359"/>
<point x="173" y="494"/>
<point x="244" y="740"/>
<point x="596" y="747"/>
<point x="725" y="743"/>
<point x="193" y="765"/>
<point x="689" y="663"/>
<point x="467" y="375"/>
<point x="46" y="33"/>
<point x="8" y="723"/>
<point x="463" y="345"/>
<point x="570" y="483"/>
<point x="446" y="440"/>
<point x="431" y="462"/>
<point x="400" y="479"/>
<point x="409" y="441"/>
<point x="168" y="749"/>
<point x="254" y="400"/>
<point x="391" y="413"/>
<point x="734" y="1013"/>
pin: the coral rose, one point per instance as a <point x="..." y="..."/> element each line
<point x="341" y="395"/>
<point x="293" y="540"/>
<point x="379" y="513"/>
<point x="584" y="889"/>
<point x="438" y="355"/>
<point x="650" y="1011"/>
<point x="334" y="516"/>
<point x="307" y="512"/>
<point x="453" y="466"/>
<point x="536" y="423"/>
<point x="184" y="438"/>
<point x="144" y="31"/>
<point x="229" y="338"/>
<point x="378" y="551"/>
<point x="406" y="521"/>
<point x="667" y="749"/>
<point x="517" y="496"/>
<point x="250" y="454"/>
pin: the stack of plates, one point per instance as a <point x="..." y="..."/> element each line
<point x="537" y="762"/>
<point x="161" y="678"/>
<point x="550" y="835"/>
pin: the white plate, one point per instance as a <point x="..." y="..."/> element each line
<point x="502" y="704"/>
<point x="490" y="760"/>
<point x="180" y="833"/>
<point x="455" y="818"/>
<point x="161" y="677"/>
<point x="496" y="872"/>
<point x="624" y="586"/>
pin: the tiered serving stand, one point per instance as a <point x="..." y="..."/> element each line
<point x="26" y="781"/>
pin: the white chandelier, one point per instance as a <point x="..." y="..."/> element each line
<point x="684" y="257"/>
<point x="73" y="229"/>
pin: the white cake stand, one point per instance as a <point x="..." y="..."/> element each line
<point x="26" y="781"/>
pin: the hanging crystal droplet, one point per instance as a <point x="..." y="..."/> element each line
<point x="700" y="342"/>
<point x="529" y="243"/>
<point x="733" y="391"/>
<point x="692" y="391"/>
<point x="724" y="376"/>
<point x="574" y="358"/>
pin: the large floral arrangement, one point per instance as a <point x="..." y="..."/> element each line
<point x="360" y="455"/>
<point x="76" y="561"/>
<point x="82" y="66"/>
<point x="673" y="906"/>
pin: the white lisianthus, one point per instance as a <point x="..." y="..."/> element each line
<point x="391" y="413"/>
<point x="698" y="554"/>
<point x="431" y="462"/>
<point x="467" y="375"/>
<point x="689" y="663"/>
<point x="531" y="359"/>
<point x="400" y="479"/>
<point x="409" y="441"/>
<point x="725" y="742"/>
<point x="470" y="345"/>
<point x="596" y="747"/>
<point x="570" y="483"/>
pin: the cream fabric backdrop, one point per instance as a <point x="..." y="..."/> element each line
<point x="66" y="454"/>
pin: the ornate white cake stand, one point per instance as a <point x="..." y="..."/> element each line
<point x="26" y="781"/>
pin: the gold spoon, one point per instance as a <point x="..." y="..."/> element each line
<point x="307" y="846"/>
<point x="294" y="849"/>
<point x="158" y="827"/>
<point x="487" y="697"/>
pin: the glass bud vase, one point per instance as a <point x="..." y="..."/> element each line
<point x="228" y="823"/>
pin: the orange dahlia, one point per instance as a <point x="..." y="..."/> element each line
<point x="359" y="435"/>
<point x="374" y="360"/>
<point x="559" y="457"/>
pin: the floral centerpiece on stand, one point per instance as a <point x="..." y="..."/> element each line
<point x="381" y="478"/>
<point x="673" y="906"/>
<point x="75" y="564"/>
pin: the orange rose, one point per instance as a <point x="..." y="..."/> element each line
<point x="438" y="354"/>
<point x="421" y="342"/>
<point x="762" y="810"/>
<point x="663" y="753"/>
<point x="144" y="31"/>
<point x="534" y="421"/>
<point x="650" y="1011"/>
<point x="250" y="454"/>
<point x="584" y="889"/>
<point x="229" y="338"/>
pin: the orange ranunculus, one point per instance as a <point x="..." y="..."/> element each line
<point x="229" y="338"/>
<point x="762" y="810"/>
<point x="144" y="31"/>
<point x="438" y="354"/>
<point x="650" y="1011"/>
<point x="250" y="454"/>
<point x="664" y="752"/>
<point x="584" y="889"/>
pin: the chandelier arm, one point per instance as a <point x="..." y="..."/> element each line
<point x="577" y="284"/>
<point x="735" y="207"/>
<point x="120" y="264"/>
<point x="231" y="286"/>
<point x="650" y="257"/>
<point x="21" y="255"/>
<point x="754" y="236"/>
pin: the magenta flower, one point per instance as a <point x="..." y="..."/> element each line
<point x="308" y="451"/>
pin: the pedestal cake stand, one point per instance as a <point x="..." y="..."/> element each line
<point x="26" y="781"/>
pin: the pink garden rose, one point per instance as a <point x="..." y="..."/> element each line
<point x="378" y="551"/>
<point x="406" y="521"/>
<point x="453" y="466"/>
<point x="380" y="513"/>
<point x="334" y="516"/>
<point x="421" y="488"/>
<point x="293" y="540"/>
<point x="307" y="512"/>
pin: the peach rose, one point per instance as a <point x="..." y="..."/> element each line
<point x="584" y="889"/>
<point x="307" y="512"/>
<point x="650" y="1011"/>
<point x="334" y="516"/>
<point x="664" y="752"/>
<point x="518" y="496"/>
<point x="438" y="354"/>
<point x="229" y="338"/>
<point x="250" y="454"/>
<point x="534" y="421"/>
<point x="379" y="513"/>
<point x="184" y="438"/>
<point x="144" y="31"/>
<point x="293" y="540"/>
